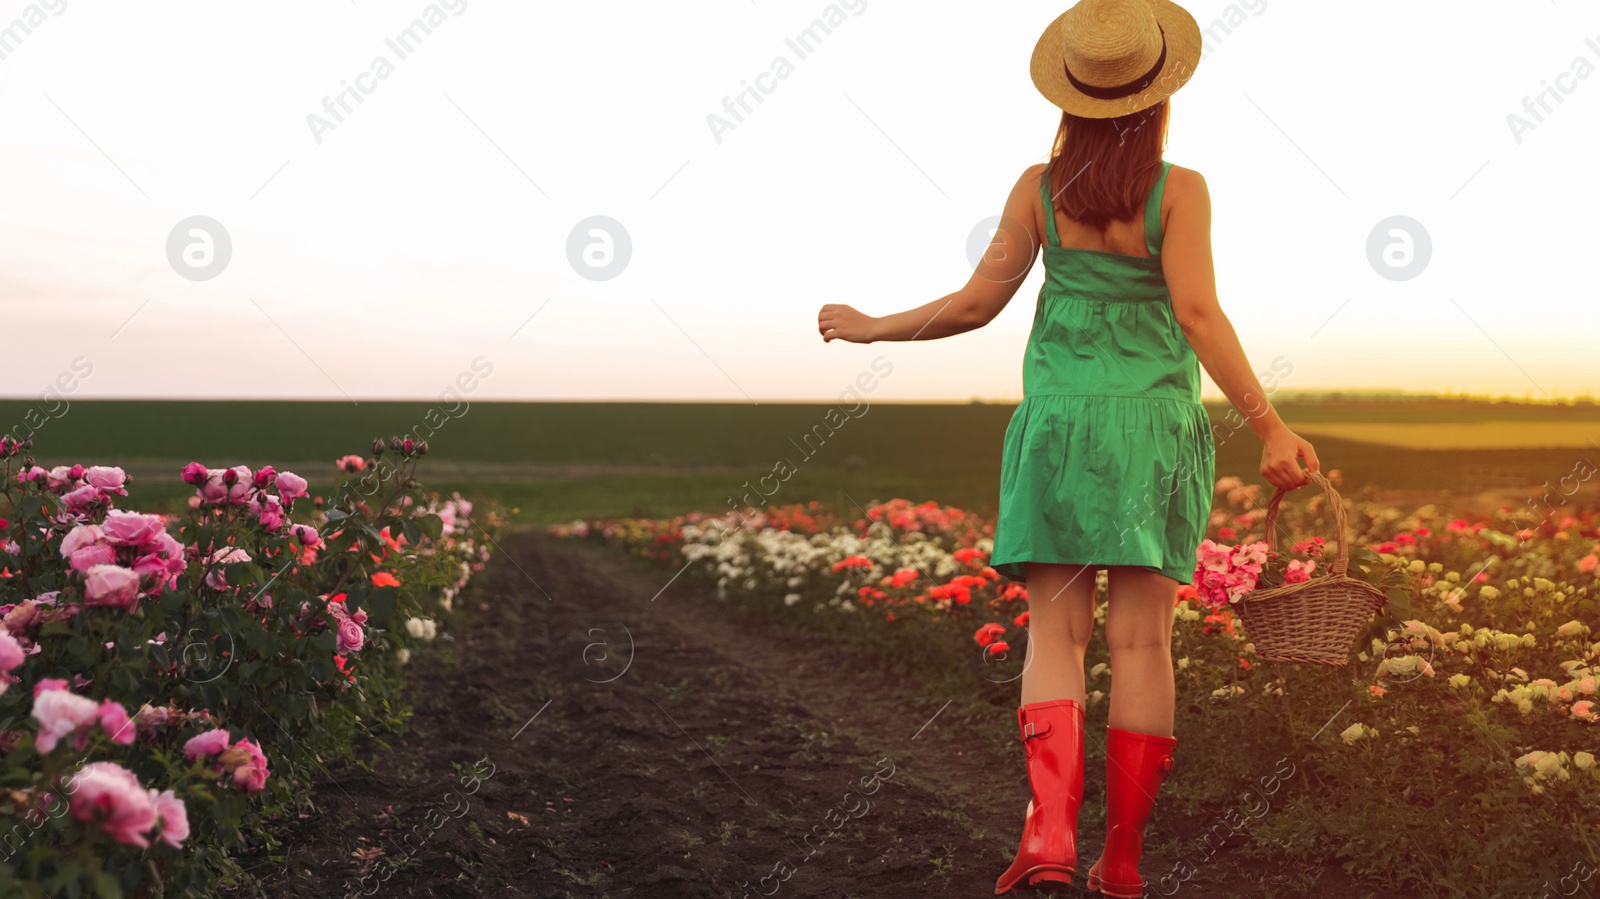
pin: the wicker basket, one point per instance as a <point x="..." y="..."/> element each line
<point x="1314" y="622"/>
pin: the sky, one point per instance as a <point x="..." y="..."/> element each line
<point x="408" y="208"/>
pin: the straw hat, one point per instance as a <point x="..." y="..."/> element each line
<point x="1106" y="58"/>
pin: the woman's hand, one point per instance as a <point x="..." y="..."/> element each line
<point x="1280" y="459"/>
<point x="845" y="323"/>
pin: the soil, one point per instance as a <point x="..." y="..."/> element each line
<point x="640" y="740"/>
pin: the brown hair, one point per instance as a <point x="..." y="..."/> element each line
<point x="1101" y="170"/>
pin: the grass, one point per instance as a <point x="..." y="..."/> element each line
<point x="1462" y="435"/>
<point x="559" y="461"/>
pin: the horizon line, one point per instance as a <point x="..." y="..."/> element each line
<point x="1281" y="396"/>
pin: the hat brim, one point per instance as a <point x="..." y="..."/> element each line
<point x="1183" y="54"/>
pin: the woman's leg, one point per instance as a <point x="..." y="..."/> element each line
<point x="1139" y="635"/>
<point x="1060" y="622"/>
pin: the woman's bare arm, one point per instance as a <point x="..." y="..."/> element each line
<point x="1187" y="263"/>
<point x="994" y="282"/>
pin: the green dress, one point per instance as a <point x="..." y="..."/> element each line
<point x="1109" y="459"/>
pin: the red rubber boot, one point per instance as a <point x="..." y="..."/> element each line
<point x="1136" y="764"/>
<point x="1052" y="737"/>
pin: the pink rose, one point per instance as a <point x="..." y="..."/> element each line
<point x="111" y="585"/>
<point x="267" y="510"/>
<point x="61" y="714"/>
<point x="114" y="721"/>
<point x="132" y="528"/>
<point x="350" y="637"/>
<point x="1236" y="576"/>
<point x="1239" y="582"/>
<point x="195" y="474"/>
<point x="226" y="486"/>
<point x="250" y="778"/>
<point x="81" y="499"/>
<point x="11" y="652"/>
<point x="164" y="572"/>
<point x="211" y="742"/>
<point x="1250" y="554"/>
<point x="248" y="764"/>
<point x="172" y="816"/>
<point x="47" y="684"/>
<point x="167" y="545"/>
<point x="213" y="491"/>
<point x="243" y="760"/>
<point x="291" y="486"/>
<point x="148" y="718"/>
<point x="107" y="478"/>
<point x="87" y="557"/>
<point x="81" y="536"/>
<point x="109" y="793"/>
<point x="1212" y="556"/>
<point x="229" y="555"/>
<point x="239" y="483"/>
<point x="306" y="535"/>
<point x="11" y="657"/>
<point x="1299" y="572"/>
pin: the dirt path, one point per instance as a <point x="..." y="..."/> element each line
<point x="635" y="741"/>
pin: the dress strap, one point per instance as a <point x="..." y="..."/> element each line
<point x="1152" y="211"/>
<point x="1053" y="239"/>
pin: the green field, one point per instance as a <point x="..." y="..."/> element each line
<point x="558" y="461"/>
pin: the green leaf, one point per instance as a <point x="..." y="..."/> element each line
<point x="66" y="873"/>
<point x="106" y="886"/>
<point x="239" y="574"/>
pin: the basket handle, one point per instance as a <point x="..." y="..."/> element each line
<point x="1341" y="560"/>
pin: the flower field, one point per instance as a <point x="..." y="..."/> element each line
<point x="173" y="683"/>
<point x="1463" y="733"/>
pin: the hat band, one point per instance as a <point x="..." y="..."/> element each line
<point x="1123" y="90"/>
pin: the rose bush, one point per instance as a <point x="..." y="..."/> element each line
<point x="1469" y="715"/>
<point x="171" y="683"/>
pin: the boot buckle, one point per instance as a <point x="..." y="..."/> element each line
<point x="1031" y="730"/>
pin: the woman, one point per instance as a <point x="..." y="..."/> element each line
<point x="1108" y="461"/>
